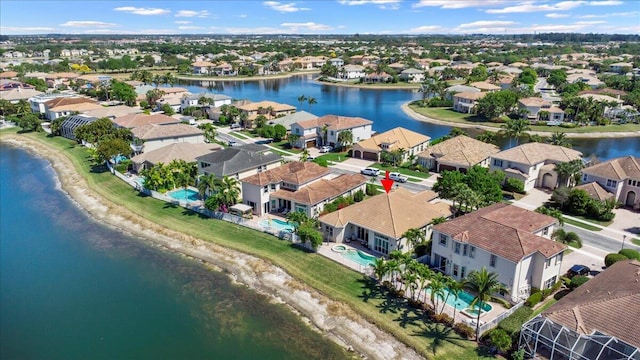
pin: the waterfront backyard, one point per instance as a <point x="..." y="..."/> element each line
<point x="336" y="282"/>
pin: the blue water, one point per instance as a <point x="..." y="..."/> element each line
<point x="185" y="195"/>
<point x="463" y="302"/>
<point x="380" y="106"/>
<point x="71" y="288"/>
<point x="276" y="224"/>
<point x="359" y="257"/>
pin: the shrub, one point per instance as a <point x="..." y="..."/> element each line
<point x="500" y="339"/>
<point x="565" y="280"/>
<point x="514" y="322"/>
<point x="514" y="185"/>
<point x="613" y="258"/>
<point x="400" y="293"/>
<point x="442" y="318"/>
<point x="464" y="330"/>
<point x="321" y="162"/>
<point x="557" y="286"/>
<point x="630" y="253"/>
<point x="358" y="196"/>
<point x="567" y="125"/>
<point x="416" y="304"/>
<point x="577" y="281"/>
<point x="534" y="299"/>
<point x="545" y="293"/>
<point x="371" y="190"/>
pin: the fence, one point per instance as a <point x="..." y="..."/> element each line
<point x="493" y="323"/>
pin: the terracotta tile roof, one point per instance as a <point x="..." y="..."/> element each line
<point x="113" y="111"/>
<point x="616" y="169"/>
<point x="64" y="101"/>
<point x="323" y="189"/>
<point x="294" y="172"/>
<point x="153" y="131"/>
<point x="461" y="150"/>
<point x="399" y="137"/>
<point x="469" y="95"/>
<point x="177" y="151"/>
<point x="601" y="97"/>
<point x="534" y="153"/>
<point x="483" y="85"/>
<point x="254" y="106"/>
<point x="504" y="230"/>
<point x="8" y="74"/>
<point x="608" y="303"/>
<point x="335" y="122"/>
<point x="596" y="191"/>
<point x="534" y="101"/>
<point x="134" y="120"/>
<point x="203" y="64"/>
<point x="391" y="214"/>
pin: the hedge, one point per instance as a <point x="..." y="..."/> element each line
<point x="630" y="253"/>
<point x="613" y="258"/>
<point x="577" y="281"/>
<point x="534" y="299"/>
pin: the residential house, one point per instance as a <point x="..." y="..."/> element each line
<point x="596" y="321"/>
<point x="452" y="90"/>
<point x="72" y="122"/>
<point x="620" y="177"/>
<point x="38" y="102"/>
<point x="458" y="153"/>
<point x="465" y="102"/>
<point x="590" y="80"/>
<point x="285" y="65"/>
<point x="381" y="77"/>
<point x="349" y="72"/>
<point x="533" y="163"/>
<point x="14" y="95"/>
<point x="224" y="69"/>
<point x="485" y="86"/>
<point x="112" y="112"/>
<point x="326" y="129"/>
<point x="621" y="67"/>
<point x="295" y="117"/>
<point x="380" y="222"/>
<point x="412" y="143"/>
<point x="596" y="191"/>
<point x="202" y="67"/>
<point x="157" y="136"/>
<point x="507" y="240"/>
<point x="412" y="75"/>
<point x="64" y="106"/>
<point x="132" y="121"/>
<point x="176" y="151"/>
<point x="536" y="105"/>
<point x="215" y="100"/>
<point x="337" y="62"/>
<point x="238" y="162"/>
<point x="269" y="109"/>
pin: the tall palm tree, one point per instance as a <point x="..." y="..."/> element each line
<point x="302" y="99"/>
<point x="380" y="268"/>
<point x="569" y="172"/>
<point x="393" y="269"/>
<point x="345" y="138"/>
<point x="311" y="101"/>
<point x="488" y="137"/>
<point x="483" y="284"/>
<point x="414" y="236"/>
<point x="22" y="107"/>
<point x="437" y="288"/>
<point x="424" y="276"/>
<point x="560" y="139"/>
<point x="454" y="288"/>
<point x="514" y="128"/>
<point x="208" y="184"/>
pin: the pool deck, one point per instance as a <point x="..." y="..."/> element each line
<point x="326" y="250"/>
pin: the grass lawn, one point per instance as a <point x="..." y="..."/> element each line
<point x="335" y="156"/>
<point x="248" y="133"/>
<point x="402" y="171"/>
<point x="580" y="224"/>
<point x="636" y="241"/>
<point x="324" y="275"/>
<point x="447" y="114"/>
<point x="236" y="135"/>
<point x="548" y="302"/>
<point x="601" y="223"/>
<point x="284" y="145"/>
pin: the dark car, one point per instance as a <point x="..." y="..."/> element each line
<point x="579" y="270"/>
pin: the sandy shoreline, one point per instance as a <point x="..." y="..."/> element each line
<point x="333" y="319"/>
<point x="596" y="135"/>
<point x="368" y="86"/>
<point x="245" y="78"/>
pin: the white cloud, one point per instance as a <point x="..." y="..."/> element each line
<point x="621" y="14"/>
<point x="190" y="27"/>
<point x="142" y="11"/>
<point x="485" y="27"/>
<point x="192" y="13"/>
<point x="458" y="4"/>
<point x="182" y="22"/>
<point x="426" y="29"/>
<point x="24" y="29"/>
<point x="556" y="15"/>
<point x="242" y="16"/>
<point x="575" y="27"/>
<point x="606" y="3"/>
<point x="487" y="23"/>
<point x="382" y="4"/>
<point x="157" y="31"/>
<point x="98" y="24"/>
<point x="256" y="31"/>
<point x="308" y="26"/>
<point x="530" y="6"/>
<point x="282" y="7"/>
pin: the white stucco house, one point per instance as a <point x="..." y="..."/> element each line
<point x="349" y="72"/>
<point x="620" y="177"/>
<point x="157" y="136"/>
<point x="412" y="75"/>
<point x="535" y="105"/>
<point x="505" y="239"/>
<point x="398" y="138"/>
<point x="465" y="102"/>
<point x="326" y="129"/>
<point x="216" y="100"/>
<point x="533" y="163"/>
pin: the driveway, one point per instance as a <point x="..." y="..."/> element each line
<point x="534" y="199"/>
<point x="626" y="220"/>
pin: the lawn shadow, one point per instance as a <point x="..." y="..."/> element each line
<point x="370" y="289"/>
<point x="439" y="335"/>
<point x="410" y="316"/>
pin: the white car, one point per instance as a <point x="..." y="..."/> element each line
<point x="326" y="149"/>
<point x="395" y="176"/>
<point x="370" y="171"/>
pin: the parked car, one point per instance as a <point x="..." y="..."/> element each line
<point x="578" y="270"/>
<point x="310" y="158"/>
<point x="370" y="171"/>
<point x="398" y="177"/>
<point x="232" y="143"/>
<point x="235" y="126"/>
<point x="326" y="149"/>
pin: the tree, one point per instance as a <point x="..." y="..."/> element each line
<point x="311" y="101"/>
<point x="380" y="268"/>
<point x="414" y="236"/>
<point x="569" y="172"/>
<point x="488" y="137"/>
<point x="514" y="128"/>
<point x="560" y="139"/>
<point x="124" y="92"/>
<point x="565" y="237"/>
<point x="208" y="184"/>
<point x="528" y="76"/>
<point x="302" y="99"/>
<point x="292" y="139"/>
<point x="495" y="104"/>
<point x="445" y="183"/>
<point x="154" y="95"/>
<point x="557" y="77"/>
<point x="304" y="155"/>
<point x="483" y="284"/>
<point x="209" y="132"/>
<point x="280" y="132"/>
<point x="110" y="147"/>
<point x="345" y="138"/>
<point x="437" y="288"/>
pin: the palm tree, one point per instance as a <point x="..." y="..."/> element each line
<point x="393" y="268"/>
<point x="345" y="138"/>
<point x="454" y="288"/>
<point x="380" y="268"/>
<point x="304" y="155"/>
<point x="560" y="139"/>
<point x="488" y="137"/>
<point x="208" y="184"/>
<point x="292" y="138"/>
<point x="483" y="284"/>
<point x="414" y="236"/>
<point x="302" y="99"/>
<point x="569" y="172"/>
<point x="311" y="101"/>
<point x="22" y="107"/>
<point x="437" y="288"/>
<point x="325" y="134"/>
<point x="514" y="128"/>
<point x="424" y="275"/>
<point x="182" y="179"/>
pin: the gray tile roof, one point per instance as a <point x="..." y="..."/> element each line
<point x="235" y="160"/>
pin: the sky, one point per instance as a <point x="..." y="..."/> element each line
<point x="319" y="17"/>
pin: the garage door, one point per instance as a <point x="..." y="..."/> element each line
<point x="369" y="156"/>
<point x="447" y="167"/>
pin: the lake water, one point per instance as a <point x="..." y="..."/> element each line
<point x="73" y="289"/>
<point x="380" y="106"/>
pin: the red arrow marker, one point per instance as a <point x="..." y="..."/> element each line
<point x="387" y="183"/>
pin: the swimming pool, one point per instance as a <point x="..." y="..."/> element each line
<point x="276" y="224"/>
<point x="359" y="257"/>
<point x="463" y="303"/>
<point x="185" y="195"/>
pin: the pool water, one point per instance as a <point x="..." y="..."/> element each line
<point x="463" y="302"/>
<point x="276" y="224"/>
<point x="185" y="195"/>
<point x="359" y="257"/>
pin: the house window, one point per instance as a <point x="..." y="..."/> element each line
<point x="497" y="162"/>
<point x="472" y="251"/>
<point x="584" y="178"/>
<point x="332" y="133"/>
<point x="273" y="187"/>
<point x="456" y="248"/>
<point x="463" y="272"/>
<point x="455" y="270"/>
<point x="381" y="244"/>
<point x="547" y="263"/>
<point x="545" y="231"/>
<point x="329" y="230"/>
<point x="443" y="239"/>
<point x="558" y="258"/>
<point x="549" y="283"/>
<point x="465" y="250"/>
<point x="611" y="183"/>
<point x="298" y="131"/>
<point x="492" y="260"/>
